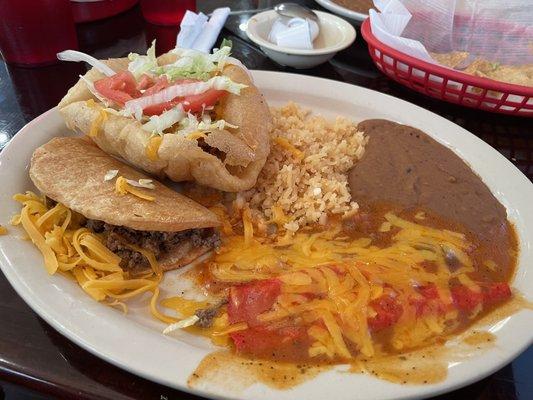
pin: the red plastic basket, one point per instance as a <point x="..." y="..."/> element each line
<point x="447" y="84"/>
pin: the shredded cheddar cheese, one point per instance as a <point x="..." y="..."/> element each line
<point x="122" y="187"/>
<point x="3" y="230"/>
<point x="98" y="120"/>
<point x="344" y="276"/>
<point x="278" y="216"/>
<point x="196" y="135"/>
<point x="152" y="147"/>
<point x="80" y="254"/>
<point x="285" y="144"/>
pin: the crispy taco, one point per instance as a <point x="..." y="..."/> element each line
<point x="121" y="204"/>
<point x="186" y="115"/>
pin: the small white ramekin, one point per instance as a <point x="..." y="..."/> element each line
<point x="335" y="34"/>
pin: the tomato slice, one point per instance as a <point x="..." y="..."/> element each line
<point x="158" y="85"/>
<point x="388" y="312"/>
<point x="197" y="102"/>
<point x="247" y="301"/>
<point x="261" y="341"/>
<point x="491" y="293"/>
<point x="145" y="81"/>
<point x="466" y="299"/>
<point x="429" y="302"/>
<point x="194" y="103"/>
<point x="496" y="292"/>
<point x="118" y="88"/>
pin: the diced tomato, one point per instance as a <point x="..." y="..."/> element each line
<point x="429" y="301"/>
<point x="145" y="81"/>
<point x="466" y="299"/>
<point x="158" y="85"/>
<point x="262" y="341"/>
<point x="247" y="301"/>
<point x="194" y="103"/>
<point x="430" y="292"/>
<point x="388" y="312"/>
<point x="118" y="88"/>
<point x="491" y="293"/>
<point x="496" y="292"/>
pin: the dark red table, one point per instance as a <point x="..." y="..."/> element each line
<point x="38" y="363"/>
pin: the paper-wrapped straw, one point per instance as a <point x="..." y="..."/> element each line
<point x="208" y="36"/>
<point x="190" y="28"/>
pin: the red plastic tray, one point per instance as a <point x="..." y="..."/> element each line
<point x="447" y="84"/>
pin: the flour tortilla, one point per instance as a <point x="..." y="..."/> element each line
<point x="239" y="155"/>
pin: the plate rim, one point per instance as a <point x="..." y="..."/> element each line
<point x="423" y="391"/>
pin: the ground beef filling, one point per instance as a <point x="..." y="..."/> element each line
<point x="117" y="239"/>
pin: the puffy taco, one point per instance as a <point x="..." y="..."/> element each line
<point x="185" y="115"/>
<point x="146" y="216"/>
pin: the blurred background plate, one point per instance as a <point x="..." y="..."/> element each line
<point x="343" y="11"/>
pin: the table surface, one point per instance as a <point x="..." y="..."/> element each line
<point x="36" y="362"/>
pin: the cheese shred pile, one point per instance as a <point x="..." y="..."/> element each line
<point x="72" y="250"/>
<point x="329" y="281"/>
<point x="122" y="187"/>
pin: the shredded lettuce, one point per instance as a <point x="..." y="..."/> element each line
<point x="77" y="56"/>
<point x="215" y="126"/>
<point x="190" y="124"/>
<point x="187" y="123"/>
<point x="192" y="64"/>
<point x="226" y="43"/>
<point x="136" y="106"/>
<point x="158" y="123"/>
<point x="142" y="64"/>
<point x="195" y="64"/>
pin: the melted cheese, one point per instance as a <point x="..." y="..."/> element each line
<point x="196" y="135"/>
<point x="122" y="187"/>
<point x="152" y="147"/>
<point x="345" y="275"/>
<point x="285" y="144"/>
<point x="97" y="122"/>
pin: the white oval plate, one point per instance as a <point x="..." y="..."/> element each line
<point x="343" y="11"/>
<point x="134" y="341"/>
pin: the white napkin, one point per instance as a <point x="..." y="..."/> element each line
<point x="190" y="28"/>
<point x="199" y="33"/>
<point x="499" y="31"/>
<point x="207" y="38"/>
<point x="294" y="33"/>
<point x="388" y="25"/>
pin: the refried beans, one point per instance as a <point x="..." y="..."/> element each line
<point x="403" y="165"/>
<point x="406" y="171"/>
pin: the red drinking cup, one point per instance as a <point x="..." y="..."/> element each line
<point x="166" y="12"/>
<point x="33" y="32"/>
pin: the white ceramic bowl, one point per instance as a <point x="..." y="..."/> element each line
<point x="335" y="34"/>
